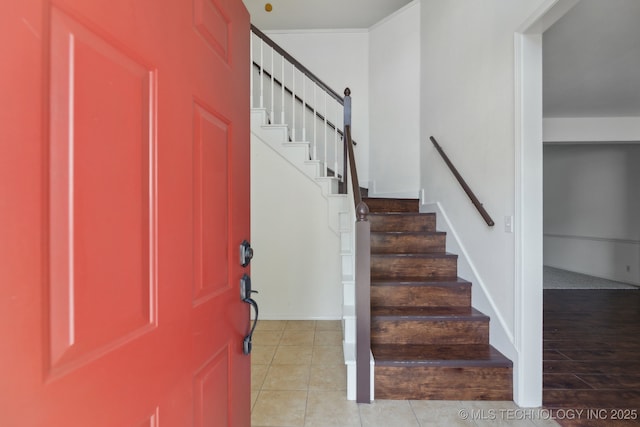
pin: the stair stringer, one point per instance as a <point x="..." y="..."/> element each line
<point x="297" y="154"/>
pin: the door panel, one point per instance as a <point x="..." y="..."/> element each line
<point x="102" y="287"/>
<point x="124" y="194"/>
<point x="210" y="177"/>
<point x="212" y="22"/>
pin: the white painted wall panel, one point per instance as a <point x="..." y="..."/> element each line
<point x="296" y="267"/>
<point x="592" y="209"/>
<point x="591" y="129"/>
<point x="468" y="103"/>
<point x="394" y="87"/>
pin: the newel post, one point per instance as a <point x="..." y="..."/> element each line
<point x="363" y="305"/>
<point x="346" y="106"/>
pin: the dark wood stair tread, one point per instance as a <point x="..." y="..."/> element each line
<point x="423" y="266"/>
<point x="439" y="355"/>
<point x="444" y="282"/>
<point x="392" y="205"/>
<point x="455" y="292"/>
<point x="389" y="242"/>
<point x="401" y="214"/>
<point x="428" y="313"/>
<point x="402" y="221"/>
<point x="410" y="233"/>
<point x="417" y="255"/>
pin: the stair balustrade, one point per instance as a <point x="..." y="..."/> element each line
<point x="314" y="113"/>
<point x="294" y="96"/>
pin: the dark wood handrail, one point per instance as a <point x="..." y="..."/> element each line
<point x="355" y="183"/>
<point x="485" y="215"/>
<point x="298" y="65"/>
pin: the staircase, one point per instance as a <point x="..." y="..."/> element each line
<point x="426" y="339"/>
<point x="427" y="342"/>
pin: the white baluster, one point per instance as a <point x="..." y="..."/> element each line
<point x="315" y="123"/>
<point x="251" y="70"/>
<point x="293" y="103"/>
<point x="282" y="92"/>
<point x="324" y="159"/>
<point x="272" y="116"/>
<point x="304" y="108"/>
<point x="336" y="134"/>
<point x="335" y="147"/>
<point x="261" y="74"/>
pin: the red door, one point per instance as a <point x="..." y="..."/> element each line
<point x="124" y="197"/>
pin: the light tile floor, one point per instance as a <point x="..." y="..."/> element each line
<point x="298" y="379"/>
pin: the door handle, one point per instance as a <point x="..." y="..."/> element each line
<point x="245" y="294"/>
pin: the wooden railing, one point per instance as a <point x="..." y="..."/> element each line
<point x="362" y="269"/>
<point x="485" y="215"/>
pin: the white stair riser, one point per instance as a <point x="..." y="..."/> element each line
<point x="348" y="297"/>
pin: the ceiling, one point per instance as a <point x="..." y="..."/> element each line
<point x="591" y="56"/>
<point x="325" y="14"/>
<point x="591" y="61"/>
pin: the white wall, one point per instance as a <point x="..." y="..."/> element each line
<point x="592" y="209"/>
<point x="591" y="129"/>
<point x="394" y="83"/>
<point x="296" y="267"/>
<point x="381" y="66"/>
<point x="340" y="59"/>
<point x="468" y="104"/>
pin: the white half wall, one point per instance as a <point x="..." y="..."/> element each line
<point x="591" y="209"/>
<point x="340" y="59"/>
<point x="296" y="268"/>
<point x="394" y="88"/>
<point x="611" y="259"/>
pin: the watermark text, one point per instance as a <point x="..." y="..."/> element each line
<point x="516" y="414"/>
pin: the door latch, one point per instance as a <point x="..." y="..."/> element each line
<point x="246" y="253"/>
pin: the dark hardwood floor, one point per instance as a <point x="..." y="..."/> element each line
<point x="592" y="356"/>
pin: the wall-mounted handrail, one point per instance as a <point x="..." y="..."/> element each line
<point x="485" y="215"/>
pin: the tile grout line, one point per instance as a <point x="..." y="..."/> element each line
<point x="414" y="414"/>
